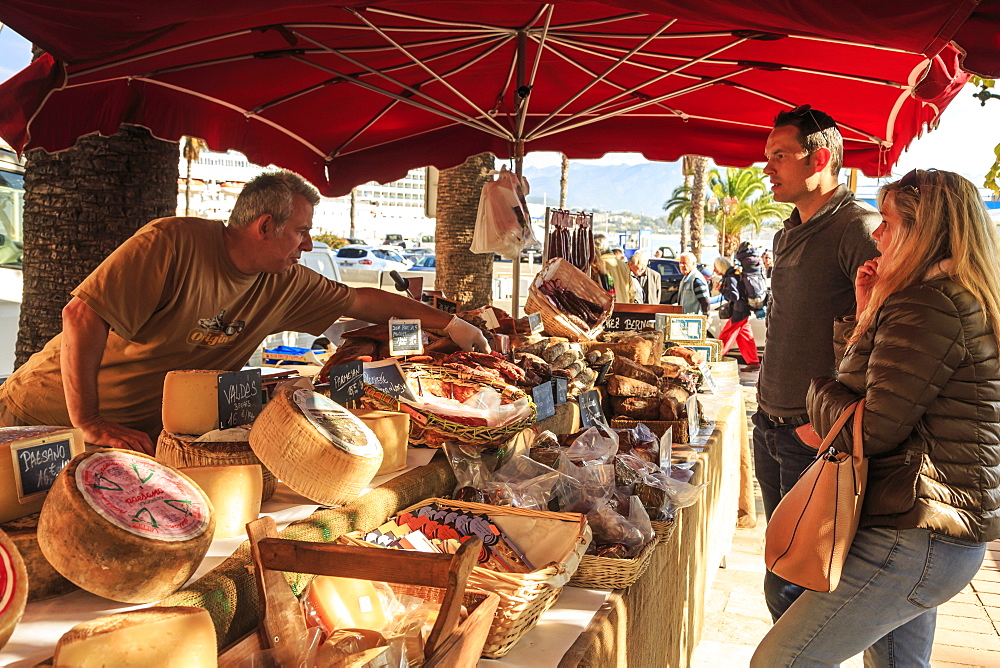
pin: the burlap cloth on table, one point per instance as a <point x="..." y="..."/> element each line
<point x="229" y="591"/>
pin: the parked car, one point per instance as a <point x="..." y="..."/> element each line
<point x="670" y="278"/>
<point x="415" y="254"/>
<point x="425" y="263"/>
<point x="359" y="263"/>
<point x="425" y="268"/>
<point x="394" y="240"/>
<point x="357" y="242"/>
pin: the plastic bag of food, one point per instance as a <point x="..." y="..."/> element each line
<point x="594" y="446"/>
<point x="611" y="528"/>
<point x="503" y="224"/>
<point x="640" y="441"/>
<point x="471" y="472"/>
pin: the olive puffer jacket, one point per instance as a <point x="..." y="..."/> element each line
<point x="930" y="376"/>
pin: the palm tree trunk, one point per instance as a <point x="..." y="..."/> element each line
<point x="687" y="168"/>
<point x="461" y="274"/>
<point x="187" y="188"/>
<point x="699" y="185"/>
<point x="563" y="181"/>
<point x="79" y="205"/>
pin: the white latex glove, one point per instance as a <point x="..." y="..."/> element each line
<point x="467" y="337"/>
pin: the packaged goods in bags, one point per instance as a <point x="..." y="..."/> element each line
<point x="503" y="224"/>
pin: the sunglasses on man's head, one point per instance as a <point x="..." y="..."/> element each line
<point x="804" y="110"/>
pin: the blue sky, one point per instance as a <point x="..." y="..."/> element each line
<point x="963" y="143"/>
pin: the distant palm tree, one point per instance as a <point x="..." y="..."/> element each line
<point x="563" y="181"/>
<point x="192" y="148"/>
<point x="741" y="200"/>
<point x="699" y="186"/>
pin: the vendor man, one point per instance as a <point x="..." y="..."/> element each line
<point x="188" y="293"/>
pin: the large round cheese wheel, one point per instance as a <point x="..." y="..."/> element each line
<point x="317" y="447"/>
<point x="125" y="526"/>
<point x="43" y="580"/>
<point x="13" y="588"/>
<point x="183" y="451"/>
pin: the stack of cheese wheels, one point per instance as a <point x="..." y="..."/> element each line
<point x="125" y="526"/>
<point x="173" y="637"/>
<point x="13" y="588"/>
<point x="317" y="447"/>
<point x="183" y="451"/>
<point x="234" y="492"/>
<point x="43" y="580"/>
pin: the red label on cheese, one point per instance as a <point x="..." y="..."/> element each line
<point x="8" y="579"/>
<point x="142" y="496"/>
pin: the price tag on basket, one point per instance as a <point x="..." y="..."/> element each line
<point x="490" y="318"/>
<point x="347" y="381"/>
<point x="666" y="448"/>
<point x="535" y="323"/>
<point x="694" y="418"/>
<point x="544" y="399"/>
<point x="405" y="337"/>
<point x="388" y="377"/>
<point x="591" y="414"/>
<point x="707" y="380"/>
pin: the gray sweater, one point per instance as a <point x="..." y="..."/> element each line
<point x="812" y="283"/>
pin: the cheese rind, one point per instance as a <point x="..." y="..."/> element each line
<point x="191" y="401"/>
<point x="166" y="637"/>
<point x="315" y="446"/>
<point x="11" y="506"/>
<point x="13" y="587"/>
<point x="392" y="430"/>
<point x="234" y="492"/>
<point x="183" y="451"/>
<point x="122" y="525"/>
<point x="43" y="580"/>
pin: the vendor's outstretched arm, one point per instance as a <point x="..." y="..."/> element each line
<point x="84" y="337"/>
<point x="374" y="305"/>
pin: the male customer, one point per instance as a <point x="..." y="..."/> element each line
<point x="615" y="274"/>
<point x="692" y="294"/>
<point x="188" y="293"/>
<point x="816" y="256"/>
<point x="646" y="280"/>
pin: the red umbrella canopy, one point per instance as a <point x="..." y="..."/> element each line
<point x="344" y="95"/>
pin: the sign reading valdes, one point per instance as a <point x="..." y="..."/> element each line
<point x="240" y="398"/>
<point x="405" y="337"/>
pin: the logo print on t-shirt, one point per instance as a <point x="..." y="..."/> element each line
<point x="215" y="332"/>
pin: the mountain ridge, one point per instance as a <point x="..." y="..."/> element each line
<point x="639" y="189"/>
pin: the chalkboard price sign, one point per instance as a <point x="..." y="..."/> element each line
<point x="405" y="337"/>
<point x="387" y="376"/>
<point x="535" y="322"/>
<point x="36" y="466"/>
<point x="624" y="321"/>
<point x="544" y="400"/>
<point x="591" y="414"/>
<point x="446" y="305"/>
<point x="240" y="398"/>
<point x="347" y="382"/>
<point x="560" y="386"/>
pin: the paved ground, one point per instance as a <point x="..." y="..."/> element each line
<point x="968" y="628"/>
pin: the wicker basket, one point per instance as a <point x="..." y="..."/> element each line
<point x="658" y="427"/>
<point x="606" y="573"/>
<point x="181" y="451"/>
<point x="523" y="596"/>
<point x="432" y="430"/>
<point x="556" y="322"/>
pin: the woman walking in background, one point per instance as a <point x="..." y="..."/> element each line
<point x="922" y="352"/>
<point x="737" y="328"/>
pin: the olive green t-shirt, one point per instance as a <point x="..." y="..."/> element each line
<point x="174" y="300"/>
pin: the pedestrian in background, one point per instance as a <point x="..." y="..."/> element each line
<point x="692" y="294"/>
<point x="737" y="328"/>
<point x="922" y="353"/>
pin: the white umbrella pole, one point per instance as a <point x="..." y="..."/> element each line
<point x="515" y="299"/>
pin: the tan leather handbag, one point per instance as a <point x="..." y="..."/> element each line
<point x="811" y="530"/>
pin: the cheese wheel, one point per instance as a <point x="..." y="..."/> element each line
<point x="191" y="401"/>
<point x="164" y="637"/>
<point x="124" y="526"/>
<point x="315" y="445"/>
<point x="43" y="580"/>
<point x="234" y="492"/>
<point x="183" y="451"/>
<point x="18" y="497"/>
<point x="13" y="587"/>
<point x="392" y="430"/>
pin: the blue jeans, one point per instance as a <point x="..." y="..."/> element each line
<point x="884" y="605"/>
<point x="779" y="457"/>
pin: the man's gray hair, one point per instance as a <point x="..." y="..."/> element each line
<point x="637" y="258"/>
<point x="601" y="243"/>
<point x="273" y="193"/>
<point x="690" y="257"/>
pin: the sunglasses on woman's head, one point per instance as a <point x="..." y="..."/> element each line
<point x="910" y="180"/>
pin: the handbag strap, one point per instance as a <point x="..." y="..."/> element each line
<point x="858" y="452"/>
<point x="837" y="426"/>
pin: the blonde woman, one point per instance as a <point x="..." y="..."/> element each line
<point x="922" y="350"/>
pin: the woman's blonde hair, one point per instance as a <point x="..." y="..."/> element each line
<point x="722" y="265"/>
<point x="943" y="218"/>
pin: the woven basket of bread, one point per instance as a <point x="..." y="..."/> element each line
<point x="607" y="573"/>
<point x="523" y="596"/>
<point x="558" y="321"/>
<point x="432" y="430"/>
<point x="181" y="451"/>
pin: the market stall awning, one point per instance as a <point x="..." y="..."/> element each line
<point x="348" y="93"/>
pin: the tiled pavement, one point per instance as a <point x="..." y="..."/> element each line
<point x="736" y="618"/>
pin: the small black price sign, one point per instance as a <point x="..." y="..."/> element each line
<point x="626" y="321"/>
<point x="446" y="305"/>
<point x="560" y="386"/>
<point x="36" y="466"/>
<point x="602" y="373"/>
<point x="388" y="377"/>
<point x="347" y="382"/>
<point x="544" y="400"/>
<point x="240" y="398"/>
<point x="405" y="337"/>
<point x="591" y="414"/>
<point x="535" y="322"/>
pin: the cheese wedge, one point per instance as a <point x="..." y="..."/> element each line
<point x="234" y="492"/>
<point x="392" y="430"/>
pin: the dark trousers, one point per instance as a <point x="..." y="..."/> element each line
<point x="779" y="457"/>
